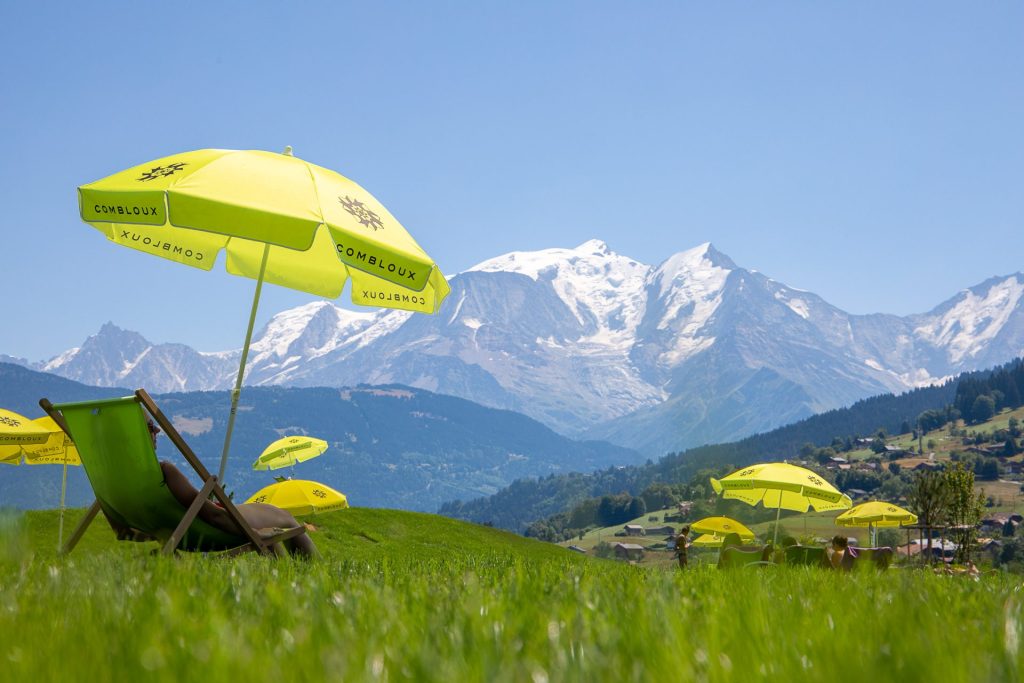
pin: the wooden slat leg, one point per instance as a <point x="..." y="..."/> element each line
<point x="80" y="529"/>
<point x="190" y="515"/>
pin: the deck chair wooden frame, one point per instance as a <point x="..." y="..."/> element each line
<point x="263" y="541"/>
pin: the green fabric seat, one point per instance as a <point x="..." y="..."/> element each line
<point x="735" y="557"/>
<point x="808" y="556"/>
<point x="120" y="461"/>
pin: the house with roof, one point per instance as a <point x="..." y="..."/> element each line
<point x="629" y="551"/>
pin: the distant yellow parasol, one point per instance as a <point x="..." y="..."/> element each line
<point x="301" y="497"/>
<point x="874" y="514"/>
<point x="17" y="431"/>
<point x="289" y="451"/>
<point x="59" y="449"/>
<point x="720" y="526"/>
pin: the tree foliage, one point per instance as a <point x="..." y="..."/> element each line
<point x="964" y="508"/>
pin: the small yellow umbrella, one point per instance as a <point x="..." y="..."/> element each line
<point x="289" y="451"/>
<point x="709" y="541"/>
<point x="58" y="449"/>
<point x="720" y="526"/>
<point x="17" y="431"/>
<point x="781" y="486"/>
<point x="301" y="497"/>
<point x="874" y="514"/>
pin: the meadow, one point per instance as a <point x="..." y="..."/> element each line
<point x="405" y="596"/>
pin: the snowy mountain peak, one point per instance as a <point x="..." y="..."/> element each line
<point x="965" y="325"/>
<point x="306" y="331"/>
<point x="596" y="247"/>
<point x="538" y="264"/>
<point x="688" y="289"/>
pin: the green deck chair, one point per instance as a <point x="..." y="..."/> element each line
<point x="117" y="453"/>
<point x="738" y="557"/>
<point x="807" y="556"/>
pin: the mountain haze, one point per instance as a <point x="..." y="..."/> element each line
<point x="390" y="446"/>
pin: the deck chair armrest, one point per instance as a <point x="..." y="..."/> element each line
<point x="274" y="535"/>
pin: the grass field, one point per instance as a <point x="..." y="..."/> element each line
<point x="403" y="596"/>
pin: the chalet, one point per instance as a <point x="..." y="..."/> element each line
<point x="990" y="544"/>
<point x="856" y="493"/>
<point x="994" y="523"/>
<point x="683" y="507"/>
<point x="989" y="450"/>
<point x="940" y="549"/>
<point x="629" y="551"/>
<point x="634" y="530"/>
<point x="576" y="548"/>
<point x="664" y="529"/>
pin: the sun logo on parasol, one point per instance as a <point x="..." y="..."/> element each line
<point x="362" y="214"/>
<point x="814" y="480"/>
<point x="319" y="494"/>
<point x="259" y="499"/>
<point x="161" y="172"/>
<point x="9" y="421"/>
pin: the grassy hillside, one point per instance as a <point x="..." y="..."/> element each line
<point x="355" y="534"/>
<point x="407" y="597"/>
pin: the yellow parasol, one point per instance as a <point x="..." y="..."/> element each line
<point x="59" y="449"/>
<point x="17" y="431"/>
<point x="780" y="485"/>
<point x="713" y="541"/>
<point x="720" y="526"/>
<point x="301" y="497"/>
<point x="874" y="514"/>
<point x="278" y="218"/>
<point x="289" y="451"/>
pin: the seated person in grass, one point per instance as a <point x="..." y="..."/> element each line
<point x="839" y="553"/>
<point x="258" y="515"/>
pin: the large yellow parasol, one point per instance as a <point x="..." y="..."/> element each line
<point x="781" y="486"/>
<point x="278" y="218"/>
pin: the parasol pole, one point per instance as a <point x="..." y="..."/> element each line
<point x="778" y="512"/>
<point x="241" y="365"/>
<point x="63" y="490"/>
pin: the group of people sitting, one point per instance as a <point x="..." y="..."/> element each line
<point x="839" y="554"/>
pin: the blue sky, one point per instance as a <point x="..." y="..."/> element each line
<point x="870" y="152"/>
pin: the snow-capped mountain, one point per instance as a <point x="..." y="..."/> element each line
<point x="590" y="342"/>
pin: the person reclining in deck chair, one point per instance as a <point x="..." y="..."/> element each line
<point x="258" y="515"/>
<point x="846" y="558"/>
